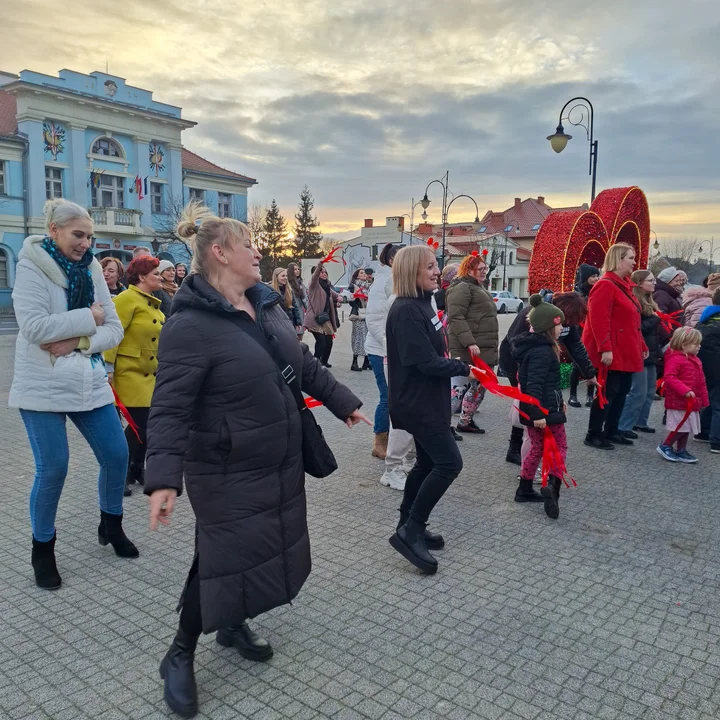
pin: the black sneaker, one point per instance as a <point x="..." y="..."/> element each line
<point x="619" y="438"/>
<point x="629" y="434"/>
<point x="715" y="448"/>
<point x="574" y="402"/>
<point x="701" y="437"/>
<point x="644" y="429"/>
<point x="599" y="443"/>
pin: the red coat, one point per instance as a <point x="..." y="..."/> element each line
<point x="684" y="373"/>
<point x="614" y="324"/>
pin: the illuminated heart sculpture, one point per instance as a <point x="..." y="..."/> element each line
<point x="566" y="239"/>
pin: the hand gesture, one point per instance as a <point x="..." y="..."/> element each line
<point x="98" y="313"/>
<point x="61" y="347"/>
<point x="606" y="358"/>
<point x="474" y="350"/>
<point x="690" y="394"/>
<point x="540" y="424"/>
<point x="111" y="377"/>
<point x="162" y="504"/>
<point x="355" y="418"/>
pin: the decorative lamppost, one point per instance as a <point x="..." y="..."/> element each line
<point x="559" y="139"/>
<point x="425" y="202"/>
<point x="447" y="210"/>
<point x="711" y="254"/>
<point x="656" y="244"/>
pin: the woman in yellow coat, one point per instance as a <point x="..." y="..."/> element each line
<point x="132" y="365"/>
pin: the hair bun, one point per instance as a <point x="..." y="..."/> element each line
<point x="536" y="300"/>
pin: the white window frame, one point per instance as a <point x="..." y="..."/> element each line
<point x="53" y="183"/>
<point x="197" y="194"/>
<point x="157" y="195"/>
<point x="224" y="205"/>
<point x="111" y="143"/>
<point x="4" y="268"/>
<point x="112" y="186"/>
<point x="3" y="179"/>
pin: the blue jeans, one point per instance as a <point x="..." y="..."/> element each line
<point x="640" y="399"/>
<point x="48" y="439"/>
<point x="710" y="416"/>
<point x="382" y="417"/>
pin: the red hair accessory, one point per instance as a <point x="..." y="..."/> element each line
<point x="432" y="244"/>
<point x="485" y="251"/>
<point x="475" y="253"/>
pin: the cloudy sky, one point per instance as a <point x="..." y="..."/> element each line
<point x="366" y="101"/>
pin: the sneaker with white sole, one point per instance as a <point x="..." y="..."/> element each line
<point x="668" y="453"/>
<point x="394" y="478"/>
<point x="685" y="457"/>
<point x="715" y="448"/>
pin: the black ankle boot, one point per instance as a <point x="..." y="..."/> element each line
<point x="574" y="402"/>
<point x="525" y="492"/>
<point x="354" y="365"/>
<point x="366" y="365"/>
<point x="246" y="642"/>
<point x="433" y="541"/>
<point x="515" y="447"/>
<point x="551" y="495"/>
<point x="176" y="669"/>
<point x="410" y="543"/>
<point x="43" y="561"/>
<point x="110" y="531"/>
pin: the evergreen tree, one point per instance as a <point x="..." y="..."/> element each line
<point x="307" y="240"/>
<point x="275" y="240"/>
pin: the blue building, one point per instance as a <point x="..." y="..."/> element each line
<point x="110" y="147"/>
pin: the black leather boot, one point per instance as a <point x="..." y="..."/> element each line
<point x="551" y="495"/>
<point x="525" y="492"/>
<point x="516" y="441"/>
<point x="43" y="561"/>
<point x="246" y="642"/>
<point x="110" y="531"/>
<point x="366" y="365"/>
<point x="410" y="543"/>
<point x="574" y="402"/>
<point x="177" y="670"/>
<point x="354" y="367"/>
<point x="433" y="541"/>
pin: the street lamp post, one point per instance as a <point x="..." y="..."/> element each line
<point x="505" y="256"/>
<point x="559" y="139"/>
<point x="711" y="254"/>
<point x="426" y="201"/>
<point x="656" y="244"/>
<point x="413" y="205"/>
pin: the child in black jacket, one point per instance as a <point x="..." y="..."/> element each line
<point x="538" y="357"/>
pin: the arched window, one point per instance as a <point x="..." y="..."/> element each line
<point x="510" y="259"/>
<point x="4" y="270"/>
<point x="107" y="146"/>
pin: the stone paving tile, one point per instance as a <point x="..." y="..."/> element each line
<point x="610" y="612"/>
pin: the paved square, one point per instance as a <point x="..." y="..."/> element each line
<point x="610" y="612"/>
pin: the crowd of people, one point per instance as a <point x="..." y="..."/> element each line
<point x="200" y="364"/>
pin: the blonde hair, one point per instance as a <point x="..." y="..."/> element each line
<point x="406" y="268"/>
<point x="201" y="229"/>
<point x="648" y="306"/>
<point x="288" y="299"/>
<point x="684" y="336"/>
<point x="61" y="212"/>
<point x="615" y="254"/>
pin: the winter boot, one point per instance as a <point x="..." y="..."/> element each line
<point x="366" y="365"/>
<point x="110" y="531"/>
<point x="380" y="445"/>
<point x="574" y="402"/>
<point x="433" y="541"/>
<point x="516" y="441"/>
<point x="590" y="397"/>
<point x="525" y="492"/>
<point x="354" y="367"/>
<point x="176" y="669"/>
<point x="456" y="436"/>
<point x="470" y="427"/>
<point x="43" y="562"/>
<point x="246" y="642"/>
<point x="551" y="495"/>
<point x="409" y="541"/>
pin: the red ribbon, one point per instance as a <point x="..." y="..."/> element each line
<point x="669" y="321"/>
<point x="660" y="387"/>
<point x="330" y="257"/>
<point x="126" y="414"/>
<point x="552" y="460"/>
<point x="312" y="403"/>
<point x="485" y="375"/>
<point x="689" y="406"/>
<point x="601" y="383"/>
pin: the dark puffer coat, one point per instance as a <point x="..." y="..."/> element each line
<point x="667" y="299"/>
<point x="539" y="375"/>
<point x="653" y="336"/>
<point x="223" y="417"/>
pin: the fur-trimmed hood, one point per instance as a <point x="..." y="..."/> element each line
<point x="32" y="250"/>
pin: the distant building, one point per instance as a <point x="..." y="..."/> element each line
<point x="108" y="146"/>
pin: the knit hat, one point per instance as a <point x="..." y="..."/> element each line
<point x="668" y="274"/>
<point x="713" y="282"/>
<point x="165" y="265"/>
<point x="585" y="272"/>
<point x="544" y="316"/>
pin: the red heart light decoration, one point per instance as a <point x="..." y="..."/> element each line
<point x="485" y="251"/>
<point x="568" y="238"/>
<point x="475" y="253"/>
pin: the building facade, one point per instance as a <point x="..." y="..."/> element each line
<point x="110" y="147"/>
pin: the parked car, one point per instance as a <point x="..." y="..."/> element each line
<point x="506" y="301"/>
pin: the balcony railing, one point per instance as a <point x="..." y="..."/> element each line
<point x="120" y="220"/>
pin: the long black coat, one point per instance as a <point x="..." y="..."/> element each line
<point x="223" y="417"/>
<point x="539" y="376"/>
<point x="653" y="336"/>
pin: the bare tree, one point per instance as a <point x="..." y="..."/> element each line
<point x="682" y="251"/>
<point x="166" y="230"/>
<point x="256" y="224"/>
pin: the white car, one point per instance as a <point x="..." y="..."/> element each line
<point x="506" y="301"/>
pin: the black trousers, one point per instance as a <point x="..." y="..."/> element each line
<point x="323" y="346"/>
<point x="575" y="377"/>
<point x="437" y="464"/>
<point x="605" y="422"/>
<point x="137" y="448"/>
<point x="190" y="617"/>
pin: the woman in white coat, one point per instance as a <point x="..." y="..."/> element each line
<point x="66" y="319"/>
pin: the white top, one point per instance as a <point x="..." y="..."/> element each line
<point x="74" y="382"/>
<point x="380" y="299"/>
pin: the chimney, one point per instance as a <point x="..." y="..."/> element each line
<point x="541" y="199"/>
<point x="424" y="229"/>
<point x="518" y="202"/>
<point x="368" y="222"/>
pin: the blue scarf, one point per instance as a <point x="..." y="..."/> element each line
<point x="81" y="289"/>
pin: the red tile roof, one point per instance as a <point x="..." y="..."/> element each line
<point x="8" y="114"/>
<point x="193" y="162"/>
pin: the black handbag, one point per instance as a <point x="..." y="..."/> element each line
<point x="318" y="458"/>
<point x="322" y="318"/>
